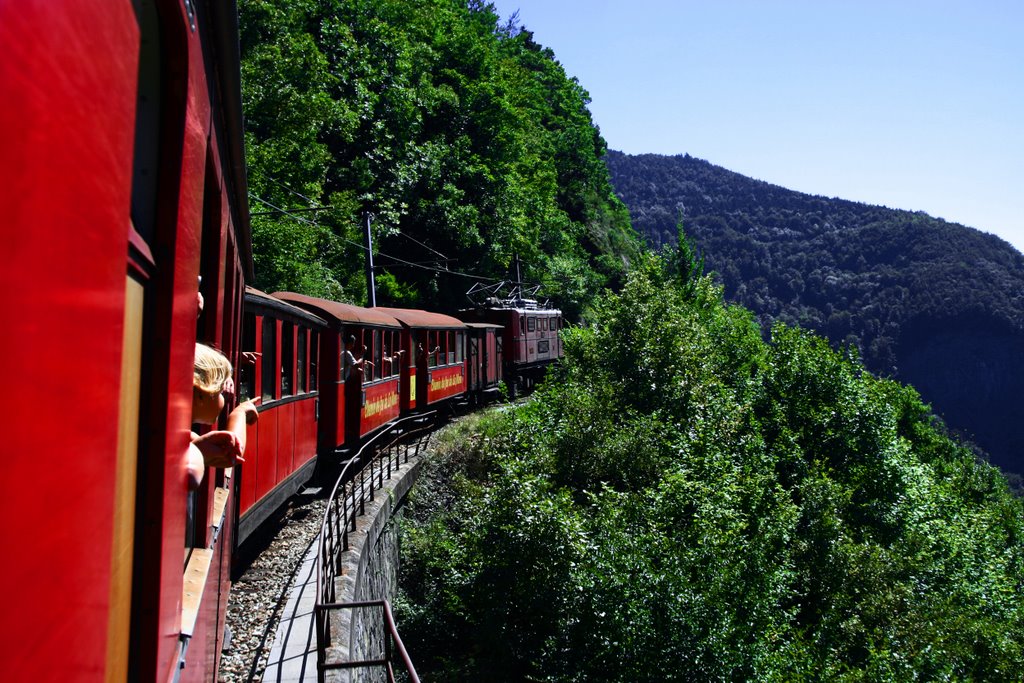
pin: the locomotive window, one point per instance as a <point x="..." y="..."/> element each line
<point x="247" y="371"/>
<point x="314" y="354"/>
<point x="300" y="380"/>
<point x="522" y="325"/>
<point x="531" y="324"/>
<point x="287" y="358"/>
<point x="269" y="359"/>
<point x="451" y="347"/>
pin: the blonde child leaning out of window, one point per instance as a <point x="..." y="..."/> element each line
<point x="211" y="380"/>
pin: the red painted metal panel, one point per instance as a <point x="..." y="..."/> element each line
<point x="493" y="371"/>
<point x="446" y="382"/>
<point x="266" y="465"/>
<point x="380" y="405"/>
<point x="76" y="185"/>
<point x="411" y="390"/>
<point x="305" y="431"/>
<point x="343" y="430"/>
<point x="285" y="441"/>
<point x="247" y="470"/>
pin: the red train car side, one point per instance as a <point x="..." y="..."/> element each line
<point x="122" y="183"/>
<point x="435" y="345"/>
<point x="484" y="359"/>
<point x="282" y="446"/>
<point x="355" y="401"/>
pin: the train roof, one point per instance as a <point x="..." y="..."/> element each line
<point x="273" y="303"/>
<point x="414" y="317"/>
<point x="336" y="312"/>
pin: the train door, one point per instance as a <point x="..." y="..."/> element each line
<point x="475" y="363"/>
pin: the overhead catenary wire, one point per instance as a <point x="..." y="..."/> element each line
<point x="301" y="219"/>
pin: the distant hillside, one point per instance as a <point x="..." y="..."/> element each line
<point x="931" y="303"/>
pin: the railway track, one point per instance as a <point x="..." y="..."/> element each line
<point x="259" y="594"/>
<point x="271" y="563"/>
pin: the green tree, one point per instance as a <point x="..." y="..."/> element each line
<point x="689" y="502"/>
<point x="464" y="138"/>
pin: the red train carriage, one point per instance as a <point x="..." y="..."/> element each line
<point x="354" y="401"/>
<point x="530" y="340"/>
<point x="435" y="344"/>
<point x="282" y="446"/>
<point x="122" y="182"/>
<point x="483" y="359"/>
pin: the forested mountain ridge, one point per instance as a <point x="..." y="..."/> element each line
<point x="928" y="302"/>
<point x="462" y="136"/>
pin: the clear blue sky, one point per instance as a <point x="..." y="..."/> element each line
<point x="910" y="104"/>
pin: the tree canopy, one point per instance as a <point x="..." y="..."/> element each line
<point x="461" y="136"/>
<point x="690" y="502"/>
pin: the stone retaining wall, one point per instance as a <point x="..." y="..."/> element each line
<point x="369" y="571"/>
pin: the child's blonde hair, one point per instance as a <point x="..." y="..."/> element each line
<point x="211" y="370"/>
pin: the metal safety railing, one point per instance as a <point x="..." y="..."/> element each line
<point x="358" y="482"/>
<point x="392" y="645"/>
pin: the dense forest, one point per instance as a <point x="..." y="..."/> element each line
<point x="460" y="138"/>
<point x="695" y="495"/>
<point x="689" y="502"/>
<point x="930" y="303"/>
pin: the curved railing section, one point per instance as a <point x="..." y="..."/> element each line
<point x="358" y="482"/>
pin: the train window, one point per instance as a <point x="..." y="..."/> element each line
<point x="314" y="355"/>
<point x="269" y="389"/>
<point x="432" y="349"/>
<point x="377" y="355"/>
<point x="342" y="366"/>
<point x="531" y="324"/>
<point x="390" y="359"/>
<point x="451" y="347"/>
<point x="300" y="379"/>
<point x="287" y="358"/>
<point x="396" y="346"/>
<point x="247" y="371"/>
<point x="522" y="325"/>
<point x="460" y="340"/>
